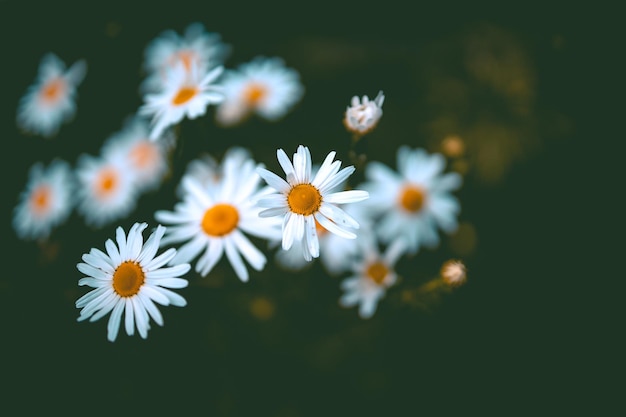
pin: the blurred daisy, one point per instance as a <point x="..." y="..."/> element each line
<point x="107" y="188"/>
<point x="47" y="200"/>
<point x="301" y="200"/>
<point x="51" y="100"/>
<point x="373" y="274"/>
<point x="264" y="86"/>
<point x="215" y="219"/>
<point x="413" y="201"/>
<point x="362" y="116"/>
<point x="184" y="95"/>
<point x="129" y="279"/>
<point x="196" y="48"/>
<point x="146" y="159"/>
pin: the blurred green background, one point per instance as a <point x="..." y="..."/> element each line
<point x="502" y="80"/>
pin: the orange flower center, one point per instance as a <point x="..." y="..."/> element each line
<point x="128" y="279"/>
<point x="220" y="220"/>
<point x="254" y="93"/>
<point x="107" y="181"/>
<point x="184" y="95"/>
<point x="53" y="89"/>
<point x="187" y="58"/>
<point x="377" y="272"/>
<point x="40" y="199"/>
<point x="304" y="199"/>
<point x="412" y="198"/>
<point x="143" y="153"/>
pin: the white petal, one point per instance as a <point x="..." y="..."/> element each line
<point x="344" y="197"/>
<point x="332" y="227"/>
<point x="235" y="260"/>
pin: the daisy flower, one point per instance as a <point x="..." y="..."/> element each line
<point x="51" y="100"/>
<point x="146" y="159"/>
<point x="213" y="220"/>
<point x="184" y="95"/>
<point x="373" y="274"/>
<point x="362" y="116"/>
<point x="129" y="279"/>
<point x="47" y="200"/>
<point x="196" y="48"/>
<point x="107" y="189"/>
<point x="414" y="201"/>
<point x="303" y="199"/>
<point x="263" y="86"/>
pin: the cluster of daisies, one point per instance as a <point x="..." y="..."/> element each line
<point x="234" y="208"/>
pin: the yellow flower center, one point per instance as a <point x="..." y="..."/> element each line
<point x="40" y="199"/>
<point x="220" y="220"/>
<point x="377" y="272"/>
<point x="412" y="198"/>
<point x="128" y="279"/>
<point x="184" y="95"/>
<point x="255" y="93"/>
<point x="304" y="199"/>
<point x="53" y="89"/>
<point x="107" y="182"/>
<point x="143" y="153"/>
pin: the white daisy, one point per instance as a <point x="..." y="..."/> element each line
<point x="146" y="159"/>
<point x="51" y="100"/>
<point x="129" y="279"/>
<point x="362" y="116"/>
<point x="47" y="200"/>
<point x="413" y="201"/>
<point x="107" y="189"/>
<point x="263" y="86"/>
<point x="301" y="200"/>
<point x="373" y="274"/>
<point x="215" y="219"/>
<point x="196" y="48"/>
<point x="184" y="95"/>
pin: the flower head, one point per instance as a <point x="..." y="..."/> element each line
<point x="184" y="94"/>
<point x="453" y="273"/>
<point x="264" y="86"/>
<point x="302" y="199"/>
<point x="47" y="200"/>
<point x="413" y="201"/>
<point x="373" y="273"/>
<point x="362" y="116"/>
<point x="129" y="279"/>
<point x="214" y="219"/>
<point x="51" y="100"/>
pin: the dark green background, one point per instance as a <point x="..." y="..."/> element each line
<point x="500" y="345"/>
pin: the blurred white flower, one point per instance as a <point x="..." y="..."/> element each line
<point x="362" y="116"/>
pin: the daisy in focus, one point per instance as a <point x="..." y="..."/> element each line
<point x="373" y="274"/>
<point x="195" y="48"/>
<point x="51" y="100"/>
<point x="362" y="116"/>
<point x="47" y="200"/>
<point x="146" y="159"/>
<point x="414" y="201"/>
<point x="129" y="279"/>
<point x="185" y="94"/>
<point x="263" y="86"/>
<point x="303" y="199"/>
<point x="107" y="188"/>
<point x="215" y="219"/>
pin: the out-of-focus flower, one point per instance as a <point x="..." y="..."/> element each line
<point x="373" y="274"/>
<point x="129" y="279"/>
<point x="301" y="200"/>
<point x="47" y="200"/>
<point x="453" y="273"/>
<point x="263" y="86"/>
<point x="185" y="94"/>
<point x="362" y="116"/>
<point x="196" y="48"/>
<point x="107" y="188"/>
<point x="413" y="201"/>
<point x="212" y="219"/>
<point x="51" y="100"/>
<point x="147" y="159"/>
